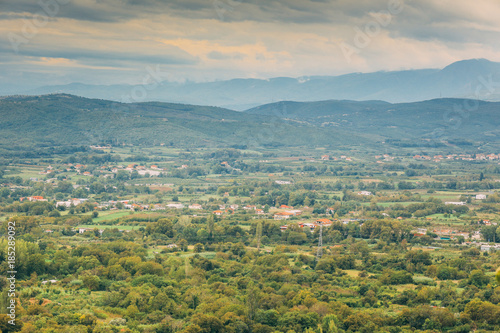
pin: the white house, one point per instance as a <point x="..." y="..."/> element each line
<point x="283" y="182"/>
<point x="51" y="281"/>
<point x="283" y="215"/>
<point x="152" y="173"/>
<point x="175" y="205"/>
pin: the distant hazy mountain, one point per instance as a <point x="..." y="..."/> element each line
<point x="46" y="122"/>
<point x="477" y="79"/>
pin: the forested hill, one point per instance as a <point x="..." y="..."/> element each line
<point x="64" y="120"/>
<point x="438" y="120"/>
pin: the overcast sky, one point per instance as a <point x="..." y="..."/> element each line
<point x="114" y="41"/>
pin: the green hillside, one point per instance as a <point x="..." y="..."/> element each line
<point x="66" y="120"/>
<point x="457" y="121"/>
<point x="52" y="121"/>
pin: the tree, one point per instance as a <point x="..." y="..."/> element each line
<point x="24" y="225"/>
<point x="478" y="278"/>
<point x="258" y="235"/>
<point x="211" y="225"/>
<point x="330" y="323"/>
<point x="163" y="226"/>
<point x="252" y="300"/>
<point x="91" y="282"/>
<point x="419" y="257"/>
<point x="64" y="187"/>
<point x="122" y="175"/>
<point x="183" y="245"/>
<point x="198" y="247"/>
<point x="6" y="327"/>
<point x="478" y="310"/>
<point x="208" y="324"/>
<point x="427" y="316"/>
<point x="489" y="233"/>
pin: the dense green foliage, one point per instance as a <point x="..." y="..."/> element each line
<point x="64" y="123"/>
<point x="409" y="244"/>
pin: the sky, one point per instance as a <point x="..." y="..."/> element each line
<point x="51" y="42"/>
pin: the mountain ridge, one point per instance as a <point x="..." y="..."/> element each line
<point x="65" y="120"/>
<point x="460" y="79"/>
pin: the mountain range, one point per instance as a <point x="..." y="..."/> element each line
<point x="62" y="120"/>
<point x="475" y="78"/>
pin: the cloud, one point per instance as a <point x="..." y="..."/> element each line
<point x="82" y="10"/>
<point x="216" y="55"/>
<point x="220" y="39"/>
<point x="291" y="11"/>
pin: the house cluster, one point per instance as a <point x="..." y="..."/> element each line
<point x="33" y="198"/>
<point x="365" y="193"/>
<point x="232" y="208"/>
<point x="486" y="222"/>
<point x="419" y="232"/>
<point x="111" y="204"/>
<point x="455" y="203"/>
<point x="100" y="147"/>
<point x="152" y="171"/>
<point x="127" y="204"/>
<point x="47" y="171"/>
<point x="110" y="171"/>
<point x="489" y="248"/>
<point x="258" y="211"/>
<point x="330" y="158"/>
<point x="155" y="207"/>
<point x="283" y="182"/>
<point x="84" y="230"/>
<point x="70" y="167"/>
<point x="422" y="157"/>
<point x="135" y="206"/>
<point x="385" y="158"/>
<point x="70" y="202"/>
<point x="447" y="234"/>
<point x="288" y="213"/>
<point x="462" y="157"/>
<point x="317" y="223"/>
<point x="49" y="281"/>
